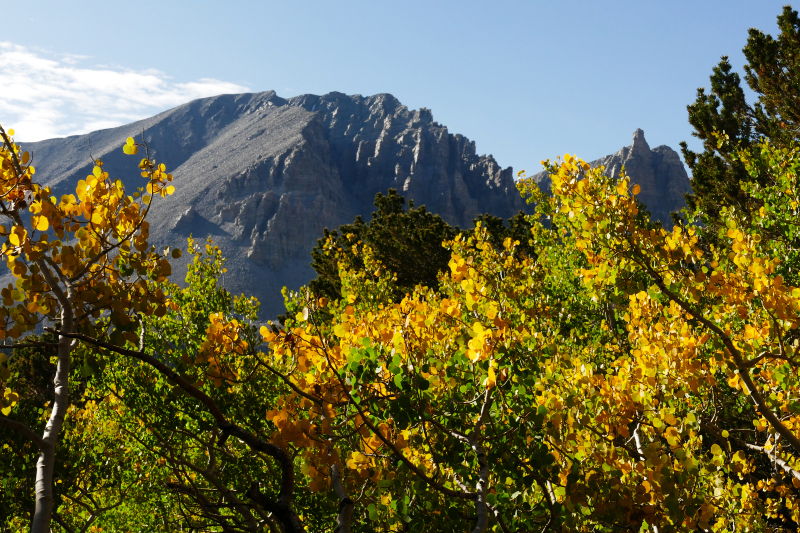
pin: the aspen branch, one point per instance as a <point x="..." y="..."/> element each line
<point x="283" y="507"/>
<point x="483" y="477"/>
<point x="498" y="517"/>
<point x="744" y="374"/>
<point x="784" y="465"/>
<point x="61" y="522"/>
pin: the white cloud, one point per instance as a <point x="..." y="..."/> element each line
<point x="43" y="97"/>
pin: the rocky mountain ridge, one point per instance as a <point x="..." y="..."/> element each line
<point x="263" y="175"/>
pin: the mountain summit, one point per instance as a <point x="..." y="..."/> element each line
<point x="263" y="175"/>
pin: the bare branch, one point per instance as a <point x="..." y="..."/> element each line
<point x="25" y="430"/>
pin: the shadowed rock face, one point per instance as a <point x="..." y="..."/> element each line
<point x="264" y="175"/>
<point x="660" y="173"/>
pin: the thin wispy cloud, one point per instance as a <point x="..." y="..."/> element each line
<point x="42" y="96"/>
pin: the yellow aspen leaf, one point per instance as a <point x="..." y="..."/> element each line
<point x="267" y="334"/>
<point x="40" y="223"/>
<point x="491" y="379"/>
<point x="17" y="236"/>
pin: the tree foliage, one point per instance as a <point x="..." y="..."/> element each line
<point x="80" y="263"/>
<point x="622" y="378"/>
<point x="408" y="241"/>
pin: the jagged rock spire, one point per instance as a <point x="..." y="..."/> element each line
<point x="639" y="142"/>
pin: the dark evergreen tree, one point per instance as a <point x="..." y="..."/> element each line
<point x="726" y="122"/>
<point x="407" y="241"/>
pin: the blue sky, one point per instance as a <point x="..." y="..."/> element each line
<point x="525" y="80"/>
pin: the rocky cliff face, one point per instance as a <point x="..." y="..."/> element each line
<point x="264" y="175"/>
<point x="660" y="173"/>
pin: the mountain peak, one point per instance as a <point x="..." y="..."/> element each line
<point x="639" y="142"/>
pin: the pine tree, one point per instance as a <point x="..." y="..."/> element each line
<point x="726" y="122"/>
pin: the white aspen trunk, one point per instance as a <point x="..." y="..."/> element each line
<point x="483" y="479"/>
<point x="345" y="515"/>
<point x="483" y="473"/>
<point x="43" y="511"/>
